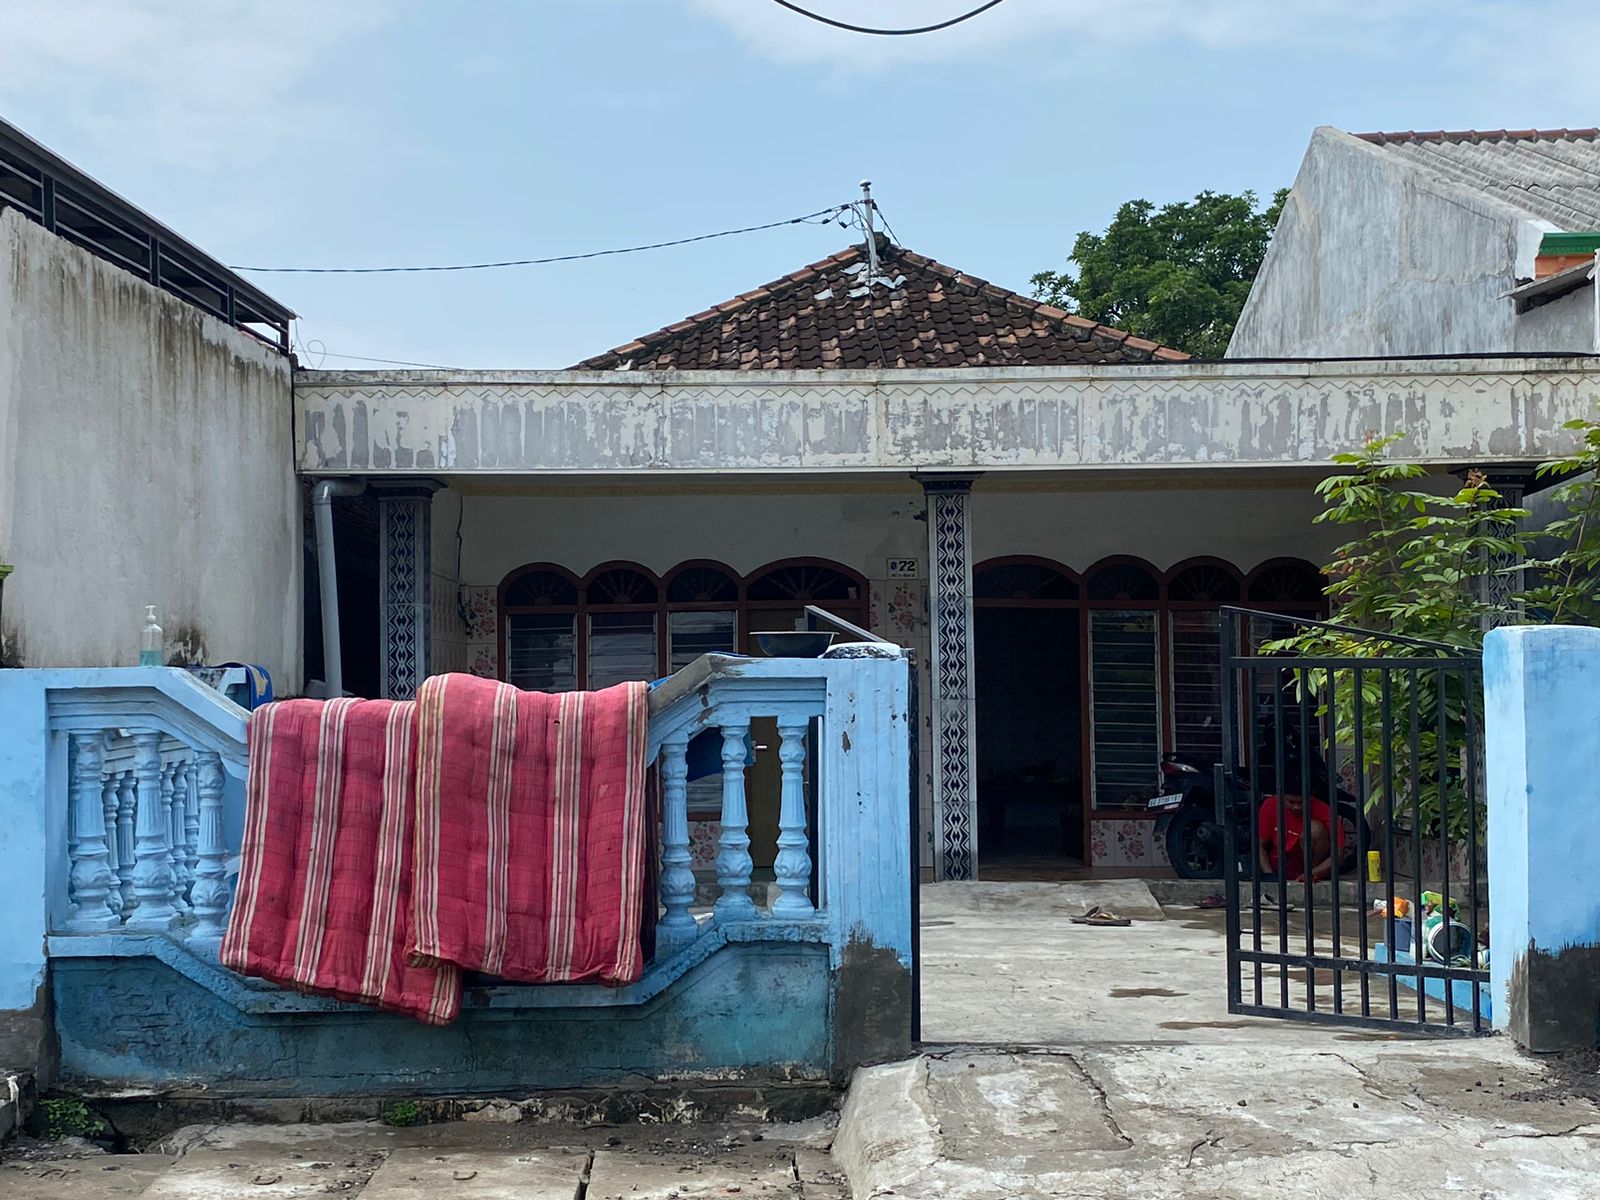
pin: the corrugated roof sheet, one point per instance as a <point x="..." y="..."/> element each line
<point x="918" y="313"/>
<point x="1552" y="174"/>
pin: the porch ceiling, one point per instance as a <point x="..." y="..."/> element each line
<point x="1228" y="415"/>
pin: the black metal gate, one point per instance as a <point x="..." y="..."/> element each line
<point x="1350" y="798"/>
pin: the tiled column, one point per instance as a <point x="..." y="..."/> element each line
<point x="1504" y="577"/>
<point x="955" y="768"/>
<point x="404" y="583"/>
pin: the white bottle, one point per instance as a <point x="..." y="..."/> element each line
<point x="151" y="648"/>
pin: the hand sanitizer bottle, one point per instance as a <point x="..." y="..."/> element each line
<point x="150" y="641"/>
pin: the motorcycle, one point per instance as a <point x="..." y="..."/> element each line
<point x="1186" y="811"/>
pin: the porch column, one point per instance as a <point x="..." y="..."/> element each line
<point x="405" y="532"/>
<point x="955" y="768"/>
<point x="1504" y="577"/>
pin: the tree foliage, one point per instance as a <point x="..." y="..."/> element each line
<point x="1416" y="570"/>
<point x="1178" y="275"/>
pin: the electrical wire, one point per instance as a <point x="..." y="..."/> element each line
<point x="845" y="25"/>
<point x="394" y="362"/>
<point x="821" y="216"/>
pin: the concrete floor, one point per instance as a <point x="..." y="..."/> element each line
<point x="1065" y="1060"/>
<point x="1060" y="1061"/>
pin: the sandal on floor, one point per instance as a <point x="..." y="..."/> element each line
<point x="1212" y="901"/>
<point x="1100" y="916"/>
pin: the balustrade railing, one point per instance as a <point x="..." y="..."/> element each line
<point x="147" y="843"/>
<point x="153" y="795"/>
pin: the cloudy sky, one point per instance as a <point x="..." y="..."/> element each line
<point x="382" y="132"/>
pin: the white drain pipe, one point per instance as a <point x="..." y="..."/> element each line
<point x="322" y="494"/>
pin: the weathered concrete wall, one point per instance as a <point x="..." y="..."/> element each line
<point x="1374" y="256"/>
<point x="1567" y="323"/>
<point x="756" y="1011"/>
<point x="1151" y="416"/>
<point x="1542" y="745"/>
<point x="145" y="458"/>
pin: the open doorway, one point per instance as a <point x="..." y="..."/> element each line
<point x="1029" y="708"/>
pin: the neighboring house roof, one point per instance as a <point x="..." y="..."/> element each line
<point x="918" y="313"/>
<point x="1551" y="174"/>
<point x="1538" y="292"/>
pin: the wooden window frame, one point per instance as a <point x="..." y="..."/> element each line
<point x="857" y="610"/>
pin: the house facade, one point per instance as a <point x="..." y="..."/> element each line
<point x="1048" y="512"/>
<point x="1432" y="243"/>
<point x="1053" y="543"/>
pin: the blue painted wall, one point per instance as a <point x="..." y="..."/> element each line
<point x="758" y="1010"/>
<point x="810" y="995"/>
<point x="24" y="858"/>
<point x="1542" y="750"/>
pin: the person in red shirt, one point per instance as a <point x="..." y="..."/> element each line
<point x="1291" y="863"/>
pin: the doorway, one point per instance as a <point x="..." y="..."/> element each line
<point x="1027" y="634"/>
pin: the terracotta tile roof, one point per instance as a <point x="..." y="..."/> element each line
<point x="1552" y="174"/>
<point x="921" y="313"/>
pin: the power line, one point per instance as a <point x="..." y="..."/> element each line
<point x="395" y="362"/>
<point x="845" y="25"/>
<point x="821" y="216"/>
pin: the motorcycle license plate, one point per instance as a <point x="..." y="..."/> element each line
<point x="1166" y="802"/>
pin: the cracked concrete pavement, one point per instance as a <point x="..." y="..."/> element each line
<point x="1102" y="1062"/>
<point x="493" y="1157"/>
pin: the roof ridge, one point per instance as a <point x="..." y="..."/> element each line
<point x="1478" y="135"/>
<point x="1048" y="311"/>
<point x="1028" y="309"/>
<point x="798" y="276"/>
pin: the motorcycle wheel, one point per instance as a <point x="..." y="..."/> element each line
<point x="1194" y="844"/>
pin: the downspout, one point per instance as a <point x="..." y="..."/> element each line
<point x="322" y="494"/>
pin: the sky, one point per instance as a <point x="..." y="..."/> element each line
<point x="395" y="132"/>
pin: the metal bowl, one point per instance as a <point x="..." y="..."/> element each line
<point x="793" y="645"/>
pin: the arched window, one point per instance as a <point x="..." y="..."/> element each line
<point x="703" y="600"/>
<point x="622" y="606"/>
<point x="539" y="607"/>
<point x="777" y="594"/>
<point x="1196" y="591"/>
<point x="1124" y="681"/>
<point x="560" y="632"/>
<point x="1286" y="585"/>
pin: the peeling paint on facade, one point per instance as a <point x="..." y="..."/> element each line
<point x="1167" y="415"/>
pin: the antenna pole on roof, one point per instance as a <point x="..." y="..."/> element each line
<point x="872" y="239"/>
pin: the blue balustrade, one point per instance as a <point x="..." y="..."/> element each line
<point x="127" y="791"/>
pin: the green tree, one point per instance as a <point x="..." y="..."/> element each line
<point x="1178" y="275"/>
<point x="1416" y="568"/>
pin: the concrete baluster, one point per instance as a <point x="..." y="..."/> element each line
<point x="172" y="808"/>
<point x="153" y="882"/>
<point x="793" y="864"/>
<point x="127" y="854"/>
<point x="191" y="824"/>
<point x="109" y="784"/>
<point x="92" y="877"/>
<point x="733" y="846"/>
<point x="677" y="927"/>
<point x="211" y="894"/>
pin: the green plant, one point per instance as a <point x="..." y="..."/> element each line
<point x="1414" y="570"/>
<point x="71" y="1117"/>
<point x="400" y="1112"/>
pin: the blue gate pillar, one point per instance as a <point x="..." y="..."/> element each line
<point x="1542" y="759"/>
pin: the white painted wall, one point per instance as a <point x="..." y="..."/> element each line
<point x="145" y="458"/>
<point x="1373" y="256"/>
